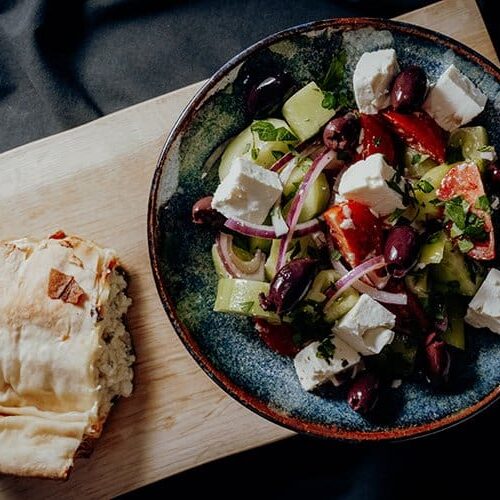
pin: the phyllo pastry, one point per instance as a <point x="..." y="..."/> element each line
<point x="65" y="353"/>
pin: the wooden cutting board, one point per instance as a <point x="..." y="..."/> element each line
<point x="94" y="181"/>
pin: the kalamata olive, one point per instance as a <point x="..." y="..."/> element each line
<point x="400" y="250"/>
<point x="437" y="360"/>
<point x="203" y="213"/>
<point x="364" y="392"/>
<point x="342" y="133"/>
<point x="494" y="177"/>
<point x="278" y="337"/>
<point x="289" y="285"/>
<point x="265" y="95"/>
<point x="409" y="88"/>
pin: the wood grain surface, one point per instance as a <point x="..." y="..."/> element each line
<point x="94" y="181"/>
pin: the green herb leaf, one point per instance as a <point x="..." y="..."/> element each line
<point x="255" y="153"/>
<point x="424" y="186"/>
<point x="465" y="245"/>
<point x="398" y="212"/>
<point x="474" y="227"/>
<point x="246" y="149"/>
<point x="377" y="141"/>
<point x="454" y="211"/>
<point x="416" y="158"/>
<point x="436" y="202"/>
<point x="434" y="237"/>
<point x="277" y="154"/>
<point x="483" y="203"/>
<point x="455" y="231"/>
<point x="486" y="149"/>
<point x="246" y="307"/>
<point x="326" y="350"/>
<point x="329" y="101"/>
<point x="267" y="132"/>
<point x="335" y="75"/>
<point x="335" y="255"/>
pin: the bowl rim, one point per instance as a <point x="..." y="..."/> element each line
<point x="219" y="377"/>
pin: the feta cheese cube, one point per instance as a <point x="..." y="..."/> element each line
<point x="372" y="80"/>
<point x="313" y="371"/>
<point x="248" y="192"/>
<point x="454" y="100"/>
<point x="366" y="327"/>
<point x="365" y="181"/>
<point x="484" y="308"/>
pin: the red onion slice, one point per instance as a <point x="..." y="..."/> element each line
<point x="268" y="232"/>
<point x="379" y="295"/>
<point x="236" y="267"/>
<point x="304" y="149"/>
<point x="298" y="201"/>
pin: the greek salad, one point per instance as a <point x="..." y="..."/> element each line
<point x="356" y="224"/>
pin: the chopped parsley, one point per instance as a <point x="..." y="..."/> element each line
<point x="326" y="350"/>
<point x="436" y="202"/>
<point x="255" y="153"/>
<point x="434" y="237"/>
<point x="424" y="186"/>
<point x="483" y="204"/>
<point x="246" y="307"/>
<point x="393" y="218"/>
<point x="336" y="93"/>
<point x="456" y="210"/>
<point x="377" y="141"/>
<point x="407" y="192"/>
<point x="486" y="149"/>
<point x="416" y="158"/>
<point x="277" y="154"/>
<point x="267" y="132"/>
<point x="329" y="101"/>
<point x="465" y="245"/>
<point x="475" y="227"/>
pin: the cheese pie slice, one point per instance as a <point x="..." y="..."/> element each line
<point x="65" y="354"/>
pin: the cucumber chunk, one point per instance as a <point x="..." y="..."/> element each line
<point x="418" y="283"/>
<point x="316" y="201"/>
<point x="304" y="111"/>
<point x="267" y="152"/>
<point x="434" y="176"/>
<point x="335" y="309"/>
<point x="219" y="267"/>
<point x="432" y="251"/>
<point x="455" y="333"/>
<point x="452" y="274"/>
<point x="416" y="163"/>
<point x="469" y="140"/>
<point x="239" y="296"/>
<point x="255" y="244"/>
<point x="322" y="281"/>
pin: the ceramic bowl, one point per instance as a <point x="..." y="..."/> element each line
<point x="227" y="347"/>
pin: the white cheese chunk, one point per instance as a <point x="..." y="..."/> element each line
<point x="366" y="327"/>
<point x="454" y="100"/>
<point x="365" y="181"/>
<point x="484" y="308"/>
<point x="248" y="192"/>
<point x="372" y="80"/>
<point x="314" y="371"/>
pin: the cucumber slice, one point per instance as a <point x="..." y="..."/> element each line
<point x="434" y="176"/>
<point x="316" y="201"/>
<point x="219" y="267"/>
<point x="267" y="151"/>
<point x="304" y="111"/>
<point x="322" y="281"/>
<point x="296" y="177"/>
<point x="255" y="244"/>
<point x="432" y="251"/>
<point x="418" y="283"/>
<point x="341" y="305"/>
<point x="417" y="164"/>
<point x="455" y="333"/>
<point x="469" y="140"/>
<point x="452" y="274"/>
<point x="239" y="296"/>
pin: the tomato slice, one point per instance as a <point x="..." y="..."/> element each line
<point x="376" y="138"/>
<point x="464" y="180"/>
<point x="356" y="230"/>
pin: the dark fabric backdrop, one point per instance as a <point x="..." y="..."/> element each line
<point x="65" y="62"/>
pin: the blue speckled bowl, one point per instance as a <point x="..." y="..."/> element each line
<point x="227" y="347"/>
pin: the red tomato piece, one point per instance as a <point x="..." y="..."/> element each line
<point x="356" y="231"/>
<point x="376" y="138"/>
<point x="465" y="180"/>
<point x="279" y="338"/>
<point x="419" y="131"/>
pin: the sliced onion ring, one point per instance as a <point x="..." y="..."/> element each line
<point x="268" y="232"/>
<point x="236" y="267"/>
<point x="304" y="149"/>
<point x="298" y="201"/>
<point x="379" y="295"/>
